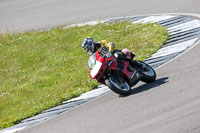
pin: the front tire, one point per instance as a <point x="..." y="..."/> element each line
<point x="118" y="84"/>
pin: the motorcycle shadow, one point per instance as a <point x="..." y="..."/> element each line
<point x="148" y="86"/>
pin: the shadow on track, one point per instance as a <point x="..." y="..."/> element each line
<point x="148" y="86"/>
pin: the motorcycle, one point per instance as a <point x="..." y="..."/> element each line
<point x="118" y="74"/>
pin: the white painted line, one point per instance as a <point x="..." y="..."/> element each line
<point x="87" y="23"/>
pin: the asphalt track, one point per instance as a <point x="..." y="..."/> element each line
<point x="19" y="15"/>
<point x="171" y="104"/>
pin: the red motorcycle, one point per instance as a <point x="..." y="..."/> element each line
<point x="117" y="73"/>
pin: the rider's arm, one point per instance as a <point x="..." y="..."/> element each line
<point x="109" y="45"/>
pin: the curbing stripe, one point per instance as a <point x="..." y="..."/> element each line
<point x="193" y="31"/>
<point x="184" y="27"/>
<point x="175" y="21"/>
<point x="179" y="47"/>
<point x="180" y="41"/>
<point x="153" y="19"/>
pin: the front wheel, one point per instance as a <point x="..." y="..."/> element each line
<point x="148" y="75"/>
<point x="118" y="84"/>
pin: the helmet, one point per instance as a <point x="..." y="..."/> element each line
<point x="89" y="45"/>
<point x="126" y="52"/>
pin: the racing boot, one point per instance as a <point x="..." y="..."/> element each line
<point x="143" y="67"/>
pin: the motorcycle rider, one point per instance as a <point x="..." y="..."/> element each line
<point x="91" y="47"/>
<point x="106" y="49"/>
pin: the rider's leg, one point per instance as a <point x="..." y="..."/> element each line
<point x="130" y="59"/>
<point x="139" y="65"/>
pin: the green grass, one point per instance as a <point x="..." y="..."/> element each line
<point x="39" y="70"/>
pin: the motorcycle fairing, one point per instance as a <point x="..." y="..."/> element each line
<point x="132" y="76"/>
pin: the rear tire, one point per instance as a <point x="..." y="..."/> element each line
<point x="118" y="84"/>
<point x="148" y="76"/>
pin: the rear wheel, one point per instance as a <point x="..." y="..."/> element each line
<point x="149" y="75"/>
<point x="118" y="84"/>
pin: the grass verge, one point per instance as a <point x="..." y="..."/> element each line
<point x="39" y="70"/>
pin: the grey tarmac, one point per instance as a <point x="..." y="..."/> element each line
<point x="20" y="15"/>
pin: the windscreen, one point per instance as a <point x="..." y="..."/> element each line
<point x="92" y="61"/>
